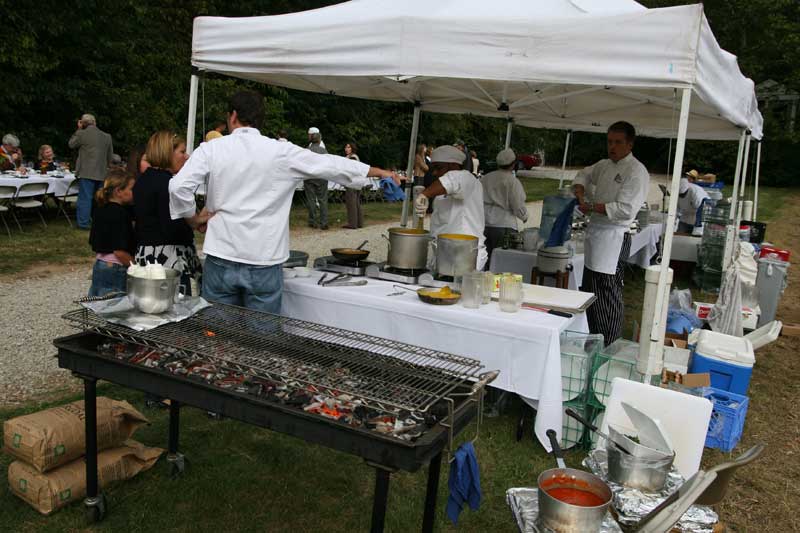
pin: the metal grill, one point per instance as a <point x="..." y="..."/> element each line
<point x="384" y="374"/>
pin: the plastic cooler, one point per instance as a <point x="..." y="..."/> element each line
<point x="728" y="359"/>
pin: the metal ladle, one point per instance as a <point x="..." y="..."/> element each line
<point x="569" y="411"/>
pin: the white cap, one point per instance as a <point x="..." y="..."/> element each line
<point x="448" y="154"/>
<point x="505" y="157"/>
<point x="313" y="130"/>
<point x="684" y="185"/>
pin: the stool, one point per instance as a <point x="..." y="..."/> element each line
<point x="560" y="277"/>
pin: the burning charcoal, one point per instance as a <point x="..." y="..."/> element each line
<point x="360" y="412"/>
<point x="298" y="398"/>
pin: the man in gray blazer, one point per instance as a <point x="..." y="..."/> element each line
<point x="94" y="155"/>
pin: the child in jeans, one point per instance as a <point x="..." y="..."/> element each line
<point x="112" y="236"/>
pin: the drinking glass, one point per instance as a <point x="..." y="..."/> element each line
<point x="510" y="294"/>
<point x="488" y="287"/>
<point x="472" y="289"/>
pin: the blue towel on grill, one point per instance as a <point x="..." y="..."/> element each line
<point x="464" y="482"/>
<point x="561" y="225"/>
<point x="392" y="192"/>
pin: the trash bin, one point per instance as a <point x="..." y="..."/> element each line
<point x="771" y="281"/>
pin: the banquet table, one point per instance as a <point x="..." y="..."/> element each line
<point x="524" y="346"/>
<point x="55" y="185"/>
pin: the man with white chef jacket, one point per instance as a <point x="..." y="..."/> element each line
<point x="460" y="206"/>
<point x="251" y="181"/>
<point x="610" y="193"/>
<point x="690" y="198"/>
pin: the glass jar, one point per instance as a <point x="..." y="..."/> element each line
<point x="488" y="287"/>
<point x="472" y="289"/>
<point x="510" y="293"/>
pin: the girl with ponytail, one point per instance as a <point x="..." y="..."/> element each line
<point x="112" y="234"/>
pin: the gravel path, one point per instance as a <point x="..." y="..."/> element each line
<point x="32" y="307"/>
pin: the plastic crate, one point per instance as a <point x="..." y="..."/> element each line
<point x="617" y="360"/>
<point x="758" y="231"/>
<point x="708" y="280"/>
<point x="727" y="418"/>
<point x="577" y="358"/>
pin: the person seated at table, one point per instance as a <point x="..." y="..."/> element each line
<point x="460" y="206"/>
<point x="690" y="198"/>
<point x="159" y="238"/>
<point x="503" y="201"/>
<point x="111" y="235"/>
<point x="47" y="159"/>
<point x="10" y="154"/>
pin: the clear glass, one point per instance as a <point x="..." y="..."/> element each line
<point x="472" y="289"/>
<point x="510" y="294"/>
<point x="488" y="287"/>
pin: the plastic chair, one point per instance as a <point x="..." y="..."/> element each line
<point x="26" y="198"/>
<point x="7" y="193"/>
<point x="70" y="196"/>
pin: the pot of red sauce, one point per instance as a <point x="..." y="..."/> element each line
<point x="571" y="500"/>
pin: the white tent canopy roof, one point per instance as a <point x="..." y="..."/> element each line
<point x="565" y="64"/>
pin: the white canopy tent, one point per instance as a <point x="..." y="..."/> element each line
<point x="565" y="64"/>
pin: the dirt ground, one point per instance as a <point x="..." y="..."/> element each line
<point x="765" y="496"/>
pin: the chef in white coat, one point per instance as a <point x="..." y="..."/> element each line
<point x="610" y="193"/>
<point x="690" y="197"/>
<point x="459" y="208"/>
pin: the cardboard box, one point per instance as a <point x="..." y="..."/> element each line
<point x="687" y="380"/>
<point x="790" y="330"/>
<point x="53" y="437"/>
<point x="676" y="356"/>
<point x="55" y="489"/>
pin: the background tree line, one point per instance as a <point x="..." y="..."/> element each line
<point x="128" y="62"/>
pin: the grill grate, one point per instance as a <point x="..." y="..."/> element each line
<point x="384" y="374"/>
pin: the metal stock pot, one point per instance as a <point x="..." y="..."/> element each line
<point x="456" y="254"/>
<point x="408" y="248"/>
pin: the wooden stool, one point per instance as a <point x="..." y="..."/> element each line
<point x="561" y="278"/>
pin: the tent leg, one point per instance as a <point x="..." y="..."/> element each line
<point x="564" y="161"/>
<point x="659" y="327"/>
<point x="758" y="171"/>
<point x="412" y="150"/>
<point x="732" y="232"/>
<point x="509" y="127"/>
<point x="192" y="114"/>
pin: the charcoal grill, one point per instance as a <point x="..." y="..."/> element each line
<point x="384" y="376"/>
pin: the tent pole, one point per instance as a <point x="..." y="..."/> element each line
<point x="758" y="171"/>
<point x="412" y="151"/>
<point x="740" y="204"/>
<point x="745" y="161"/>
<point x="659" y="327"/>
<point x="509" y="127"/>
<point x="564" y="161"/>
<point x="192" y="113"/>
<point x="733" y="231"/>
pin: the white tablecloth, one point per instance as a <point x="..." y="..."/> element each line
<point x="522" y="262"/>
<point x="644" y="245"/>
<point x="56" y="186"/>
<point x="523" y="346"/>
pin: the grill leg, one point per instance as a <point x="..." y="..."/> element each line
<point x="434" y="470"/>
<point x="175" y="459"/>
<point x="380" y="499"/>
<point x="94" y="501"/>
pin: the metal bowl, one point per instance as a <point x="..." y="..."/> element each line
<point x="154" y="296"/>
<point x="645" y="474"/>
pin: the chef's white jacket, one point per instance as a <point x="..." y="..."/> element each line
<point x="689" y="203"/>
<point x="503" y="199"/>
<point x="622" y="187"/>
<point x="461" y="209"/>
<point x="251" y="181"/>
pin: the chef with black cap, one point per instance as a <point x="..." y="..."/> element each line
<point x="460" y="206"/>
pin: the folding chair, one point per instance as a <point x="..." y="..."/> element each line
<point x="7" y="193"/>
<point x="26" y="198"/>
<point x="70" y="197"/>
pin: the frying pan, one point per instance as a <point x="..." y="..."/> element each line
<point x="429" y="296"/>
<point x="351" y="254"/>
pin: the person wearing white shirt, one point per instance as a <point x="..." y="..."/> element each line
<point x="610" y="192"/>
<point x="460" y="206"/>
<point x="690" y="197"/>
<point x="503" y="201"/>
<point x="251" y="180"/>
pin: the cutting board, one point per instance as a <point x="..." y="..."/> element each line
<point x="553" y="298"/>
<point x="684" y="417"/>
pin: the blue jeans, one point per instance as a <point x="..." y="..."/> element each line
<point x="252" y="286"/>
<point x="86" y="190"/>
<point x="108" y="277"/>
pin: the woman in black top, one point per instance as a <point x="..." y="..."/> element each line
<point x="46" y="160"/>
<point x="112" y="237"/>
<point x="161" y="239"/>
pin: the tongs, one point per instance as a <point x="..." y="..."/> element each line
<point x="340" y="280"/>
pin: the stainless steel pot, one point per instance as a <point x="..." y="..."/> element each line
<point x="456" y="254"/>
<point x="636" y="472"/>
<point x="564" y="517"/>
<point x="154" y="296"/>
<point x="553" y="259"/>
<point x="408" y="248"/>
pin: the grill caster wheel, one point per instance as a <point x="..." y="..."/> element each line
<point x="95" y="508"/>
<point x="177" y="464"/>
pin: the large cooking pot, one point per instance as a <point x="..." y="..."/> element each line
<point x="153" y="296"/>
<point x="408" y="248"/>
<point x="649" y="475"/>
<point x="570" y="500"/>
<point x="456" y="254"/>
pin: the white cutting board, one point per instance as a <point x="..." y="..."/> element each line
<point x="684" y="417"/>
<point x="551" y="297"/>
